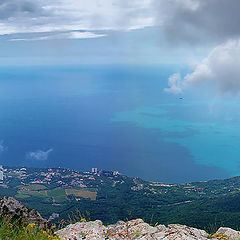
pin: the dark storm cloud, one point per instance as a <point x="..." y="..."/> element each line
<point x="18" y="8"/>
<point x="208" y="22"/>
<point x="198" y="20"/>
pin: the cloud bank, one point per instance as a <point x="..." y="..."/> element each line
<point x="10" y="9"/>
<point x="182" y="20"/>
<point x="220" y="68"/>
<point x="209" y="22"/>
<point x="212" y="22"/>
<point x="24" y="16"/>
<point x="39" y="155"/>
<point x="187" y="20"/>
<point x="68" y="35"/>
<point x="198" y="20"/>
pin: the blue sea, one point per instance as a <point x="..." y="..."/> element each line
<point x="116" y="117"/>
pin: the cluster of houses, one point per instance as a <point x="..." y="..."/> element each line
<point x="59" y="177"/>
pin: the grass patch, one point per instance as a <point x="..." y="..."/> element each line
<point x="36" y="187"/>
<point x="27" y="194"/>
<point x="84" y="193"/>
<point x="56" y="193"/>
<point x="16" y="230"/>
<point x="22" y="195"/>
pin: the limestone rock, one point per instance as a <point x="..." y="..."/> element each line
<point x="177" y="231"/>
<point x="232" y="234"/>
<point x="91" y="230"/>
<point x="134" y="229"/>
<point x="11" y="207"/>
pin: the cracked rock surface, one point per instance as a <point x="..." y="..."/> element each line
<point x="136" y="229"/>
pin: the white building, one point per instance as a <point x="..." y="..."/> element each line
<point x="115" y="173"/>
<point x="94" y="170"/>
<point x="1" y="173"/>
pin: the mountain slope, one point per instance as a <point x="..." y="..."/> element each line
<point x="110" y="196"/>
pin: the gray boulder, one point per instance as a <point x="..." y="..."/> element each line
<point x="230" y="233"/>
<point x="13" y="208"/>
<point x="134" y="229"/>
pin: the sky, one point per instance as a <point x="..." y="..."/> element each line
<point x="200" y="34"/>
<point x="75" y="32"/>
<point x="195" y="43"/>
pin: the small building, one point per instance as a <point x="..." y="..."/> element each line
<point x="53" y="216"/>
<point x="1" y="173"/>
<point x="115" y="173"/>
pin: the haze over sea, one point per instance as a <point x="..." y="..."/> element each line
<point x="116" y="117"/>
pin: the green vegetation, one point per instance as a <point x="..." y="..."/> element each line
<point x="82" y="193"/>
<point x="110" y="197"/>
<point x="14" y="229"/>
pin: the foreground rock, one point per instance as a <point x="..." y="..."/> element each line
<point x="13" y="208"/>
<point x="134" y="229"/>
<point x="232" y="234"/>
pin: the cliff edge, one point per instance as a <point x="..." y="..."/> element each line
<point x="138" y="229"/>
<point x="10" y="207"/>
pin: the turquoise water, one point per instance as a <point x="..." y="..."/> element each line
<point x="116" y="117"/>
<point x="213" y="142"/>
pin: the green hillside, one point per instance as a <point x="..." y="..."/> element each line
<point x="110" y="196"/>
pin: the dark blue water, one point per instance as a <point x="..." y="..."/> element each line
<point x="85" y="116"/>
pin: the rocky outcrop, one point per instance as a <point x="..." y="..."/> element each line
<point x="138" y="229"/>
<point x="230" y="233"/>
<point x="95" y="230"/>
<point x="13" y="208"/>
<point x="134" y="229"/>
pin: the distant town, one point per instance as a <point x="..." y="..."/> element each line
<point x="109" y="195"/>
<point x="55" y="187"/>
<point x="57" y="176"/>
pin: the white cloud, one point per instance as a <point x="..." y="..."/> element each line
<point x="24" y="16"/>
<point x="2" y="147"/>
<point x="66" y="35"/>
<point x="188" y="20"/>
<point x="39" y="155"/>
<point x="220" y="68"/>
<point x="174" y="82"/>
